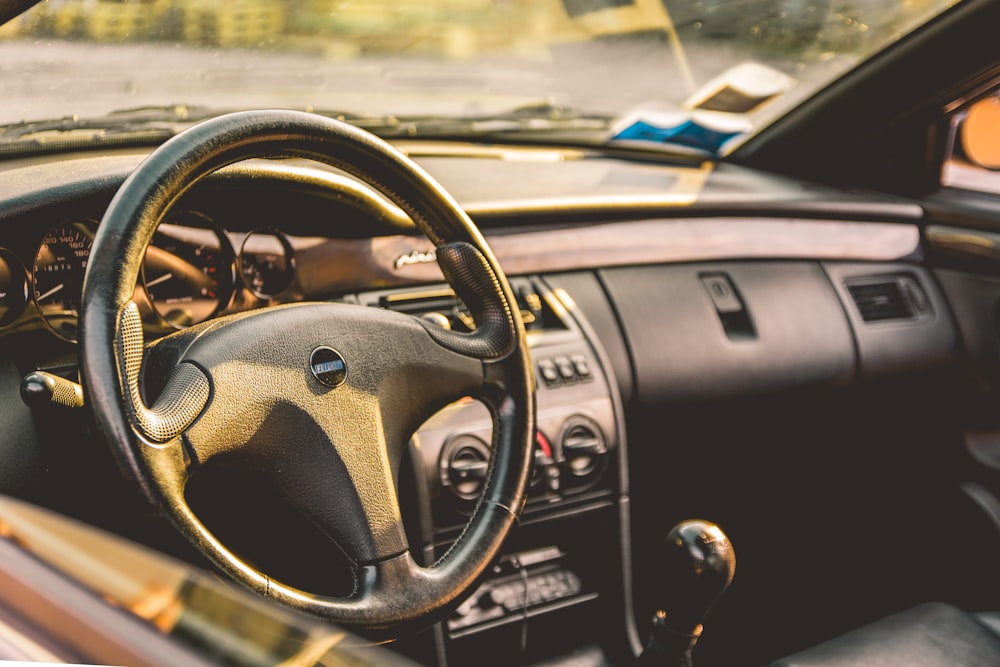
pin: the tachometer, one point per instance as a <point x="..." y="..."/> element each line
<point x="267" y="263"/>
<point x="57" y="275"/>
<point x="189" y="270"/>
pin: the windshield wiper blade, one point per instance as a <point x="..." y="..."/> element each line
<point x="122" y="121"/>
<point x="147" y="121"/>
<point x="534" y="119"/>
<point x="135" y="126"/>
<point x="150" y="125"/>
<point x="139" y="126"/>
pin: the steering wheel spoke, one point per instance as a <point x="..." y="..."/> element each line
<point x="336" y="472"/>
<point x="182" y="399"/>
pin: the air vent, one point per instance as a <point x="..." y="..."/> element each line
<point x="420" y="302"/>
<point x="888" y="298"/>
<point x="440" y="306"/>
<point x="443" y="307"/>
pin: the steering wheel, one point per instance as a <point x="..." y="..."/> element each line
<point x="320" y="397"/>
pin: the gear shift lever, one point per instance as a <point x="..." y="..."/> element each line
<point x="698" y="566"/>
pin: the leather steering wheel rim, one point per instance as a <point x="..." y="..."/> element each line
<point x="158" y="445"/>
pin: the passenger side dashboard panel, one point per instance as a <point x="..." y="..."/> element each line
<point x="680" y="346"/>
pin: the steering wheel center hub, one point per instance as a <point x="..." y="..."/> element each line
<point x="328" y="366"/>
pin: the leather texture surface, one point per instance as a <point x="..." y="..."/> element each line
<point x="333" y="451"/>
<point x="470" y="274"/>
<point x="931" y="635"/>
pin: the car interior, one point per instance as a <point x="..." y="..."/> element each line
<point x="587" y="405"/>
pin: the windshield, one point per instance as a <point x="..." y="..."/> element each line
<point x="703" y="73"/>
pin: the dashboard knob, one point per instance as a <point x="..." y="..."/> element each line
<point x="584" y="449"/>
<point x="464" y="463"/>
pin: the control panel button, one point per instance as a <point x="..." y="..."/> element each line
<point x="552" y="479"/>
<point x="567" y="371"/>
<point x="721" y="290"/>
<point x="550" y="374"/>
<point x="582" y="366"/>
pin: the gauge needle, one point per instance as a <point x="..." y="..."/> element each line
<point x="162" y="279"/>
<point x="42" y="297"/>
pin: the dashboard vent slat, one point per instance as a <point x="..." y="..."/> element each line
<point x="421" y="302"/>
<point x="881" y="301"/>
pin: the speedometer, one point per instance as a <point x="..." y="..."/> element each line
<point x="57" y="275"/>
<point x="189" y="270"/>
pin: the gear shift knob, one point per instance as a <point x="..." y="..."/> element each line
<point x="698" y="563"/>
<point x="698" y="566"/>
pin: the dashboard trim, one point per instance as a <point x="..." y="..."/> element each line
<point x="347" y="239"/>
<point x="657" y="241"/>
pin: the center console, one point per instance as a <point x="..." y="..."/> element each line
<point x="560" y="575"/>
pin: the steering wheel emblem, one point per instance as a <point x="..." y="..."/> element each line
<point x="328" y="366"/>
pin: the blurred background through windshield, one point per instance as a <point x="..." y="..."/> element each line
<point x="451" y="57"/>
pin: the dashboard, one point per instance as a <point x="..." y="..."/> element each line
<point x="268" y="233"/>
<point x="653" y="295"/>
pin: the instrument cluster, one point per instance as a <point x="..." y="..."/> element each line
<point x="192" y="271"/>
